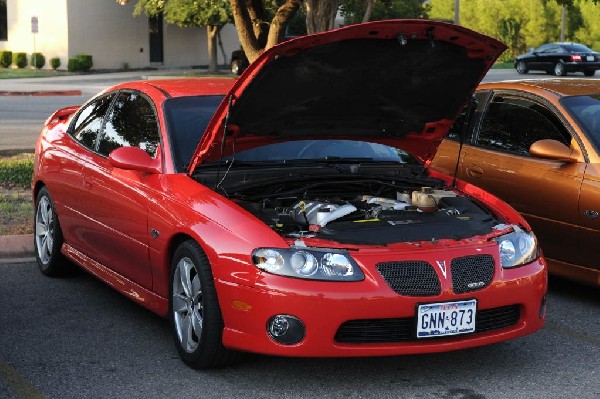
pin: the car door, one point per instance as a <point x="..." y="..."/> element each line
<point x="545" y="191"/>
<point x="116" y="201"/>
<point x="69" y="188"/>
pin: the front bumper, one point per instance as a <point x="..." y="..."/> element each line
<point x="324" y="307"/>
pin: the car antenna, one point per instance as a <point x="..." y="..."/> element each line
<point x="225" y="129"/>
<point x="461" y="136"/>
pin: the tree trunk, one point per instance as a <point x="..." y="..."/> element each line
<point x="211" y="33"/>
<point x="368" y="11"/>
<point x="320" y="15"/>
<point x="255" y="34"/>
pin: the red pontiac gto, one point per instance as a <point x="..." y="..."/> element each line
<point x="292" y="212"/>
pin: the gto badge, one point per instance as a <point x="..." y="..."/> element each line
<point x="442" y="265"/>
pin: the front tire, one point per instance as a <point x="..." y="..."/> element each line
<point x="48" y="237"/>
<point x="521" y="67"/>
<point x="195" y="315"/>
<point x="236" y="68"/>
<point x="559" y="69"/>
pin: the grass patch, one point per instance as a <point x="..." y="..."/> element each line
<point x="16" y="206"/>
<point x="503" y="65"/>
<point x="9" y="73"/>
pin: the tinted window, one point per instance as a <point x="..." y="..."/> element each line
<point x="3" y="21"/>
<point x="577" y="48"/>
<point x="477" y="106"/>
<point x="131" y="123"/>
<point x="187" y="118"/>
<point x="513" y="124"/>
<point x="586" y="110"/>
<point x="89" y="121"/>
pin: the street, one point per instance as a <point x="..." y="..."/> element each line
<point x="74" y="337"/>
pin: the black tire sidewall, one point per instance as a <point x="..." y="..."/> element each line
<point x="208" y="351"/>
<point x="54" y="265"/>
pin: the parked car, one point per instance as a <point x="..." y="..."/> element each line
<point x="301" y="220"/>
<point x="536" y="145"/>
<point x="239" y="62"/>
<point x="559" y="59"/>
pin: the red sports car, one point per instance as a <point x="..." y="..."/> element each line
<point x="292" y="212"/>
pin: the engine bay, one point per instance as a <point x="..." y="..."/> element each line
<point x="376" y="206"/>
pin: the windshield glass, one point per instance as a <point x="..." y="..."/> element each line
<point x="586" y="110"/>
<point x="337" y="150"/>
<point x="187" y="118"/>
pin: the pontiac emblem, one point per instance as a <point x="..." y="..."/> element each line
<point x="442" y="265"/>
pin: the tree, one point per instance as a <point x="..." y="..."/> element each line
<point x="255" y="32"/>
<point x="356" y="11"/>
<point x="212" y="14"/>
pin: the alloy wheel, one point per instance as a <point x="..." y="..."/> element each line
<point x="44" y="230"/>
<point x="188" y="312"/>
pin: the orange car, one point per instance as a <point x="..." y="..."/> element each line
<point x="536" y="145"/>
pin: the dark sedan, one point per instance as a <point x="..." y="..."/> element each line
<point x="559" y="59"/>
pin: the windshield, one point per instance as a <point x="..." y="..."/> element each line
<point x="586" y="110"/>
<point x="337" y="150"/>
<point x="187" y="118"/>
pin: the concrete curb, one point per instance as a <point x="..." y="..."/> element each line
<point x="16" y="247"/>
<point x="42" y="93"/>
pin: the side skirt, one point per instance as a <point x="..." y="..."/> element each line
<point x="130" y="289"/>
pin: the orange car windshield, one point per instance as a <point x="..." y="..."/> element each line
<point x="586" y="110"/>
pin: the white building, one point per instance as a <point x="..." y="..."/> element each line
<point x="106" y="30"/>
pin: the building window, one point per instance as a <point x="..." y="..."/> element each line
<point x="3" y="21"/>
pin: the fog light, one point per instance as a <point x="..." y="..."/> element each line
<point x="286" y="329"/>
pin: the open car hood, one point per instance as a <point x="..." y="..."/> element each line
<point x="396" y="82"/>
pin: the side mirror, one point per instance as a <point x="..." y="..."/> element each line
<point x="134" y="158"/>
<point x="552" y="149"/>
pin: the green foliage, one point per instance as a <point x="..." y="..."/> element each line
<point x="16" y="171"/>
<point x="38" y="59"/>
<point x="525" y="24"/>
<point x="55" y="63"/>
<point x="354" y="10"/>
<point x="186" y="13"/>
<point x="20" y="60"/>
<point x="5" y="58"/>
<point x="81" y="62"/>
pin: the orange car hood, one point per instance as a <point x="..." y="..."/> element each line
<point x="396" y="82"/>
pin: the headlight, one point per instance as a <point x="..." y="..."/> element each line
<point x="313" y="263"/>
<point x="517" y="248"/>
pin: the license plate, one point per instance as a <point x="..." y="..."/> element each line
<point x="445" y="319"/>
<point x="590" y="58"/>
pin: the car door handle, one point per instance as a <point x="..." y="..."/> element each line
<point x="87" y="183"/>
<point x="474" y="171"/>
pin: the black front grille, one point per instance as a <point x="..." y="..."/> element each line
<point x="471" y="273"/>
<point x="410" y="278"/>
<point x="403" y="329"/>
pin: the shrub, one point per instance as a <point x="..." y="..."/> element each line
<point x="20" y="60"/>
<point x="55" y="63"/>
<point x="38" y="59"/>
<point x="73" y="65"/>
<point x="85" y="62"/>
<point x="81" y="62"/>
<point x="16" y="171"/>
<point x="5" y="58"/>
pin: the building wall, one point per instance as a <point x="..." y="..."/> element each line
<point x="51" y="39"/>
<point x="107" y="31"/>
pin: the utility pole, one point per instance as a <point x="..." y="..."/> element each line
<point x="457" y="12"/>
<point x="563" y="23"/>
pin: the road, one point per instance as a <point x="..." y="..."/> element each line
<point x="21" y="118"/>
<point x="75" y="337"/>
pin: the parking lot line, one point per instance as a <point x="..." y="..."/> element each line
<point x="572" y="334"/>
<point x="16" y="383"/>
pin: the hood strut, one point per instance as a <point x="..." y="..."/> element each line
<point x="461" y="135"/>
<point x="223" y="141"/>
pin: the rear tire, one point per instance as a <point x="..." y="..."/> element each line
<point x="47" y="238"/>
<point x="589" y="73"/>
<point x="559" y="69"/>
<point x="195" y="315"/>
<point x="236" y="67"/>
<point x="521" y="67"/>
